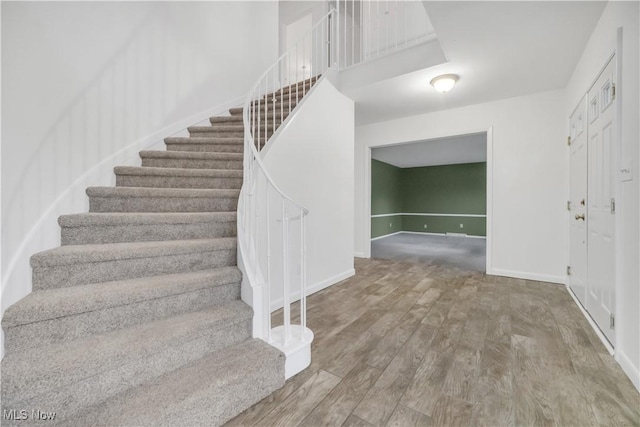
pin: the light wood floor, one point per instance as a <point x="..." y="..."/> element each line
<point x="409" y="344"/>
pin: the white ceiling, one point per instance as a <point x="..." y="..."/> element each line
<point x="442" y="151"/>
<point x="499" y="50"/>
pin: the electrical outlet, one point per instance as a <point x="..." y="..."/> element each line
<point x="461" y="225"/>
<point x="390" y="224"/>
<point x="425" y="226"/>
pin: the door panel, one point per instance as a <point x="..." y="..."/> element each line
<point x="577" y="202"/>
<point x="600" y="301"/>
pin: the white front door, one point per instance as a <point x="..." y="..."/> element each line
<point x="577" y="202"/>
<point x="601" y="113"/>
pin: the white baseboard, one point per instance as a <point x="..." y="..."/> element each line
<point x="316" y="287"/>
<point x="595" y="328"/>
<point x="529" y="276"/>
<point x="633" y="372"/>
<point x="426" y="233"/>
<point x="386" y="235"/>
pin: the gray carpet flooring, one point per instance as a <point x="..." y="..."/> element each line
<point x="466" y="253"/>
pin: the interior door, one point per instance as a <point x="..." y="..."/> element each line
<point x="600" y="201"/>
<point x="577" y="202"/>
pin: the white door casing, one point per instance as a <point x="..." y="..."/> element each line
<point x="577" y="201"/>
<point x="601" y="113"/>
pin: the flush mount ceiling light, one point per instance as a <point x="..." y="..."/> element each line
<point x="444" y="83"/>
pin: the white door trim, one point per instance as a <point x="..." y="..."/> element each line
<point x="366" y="233"/>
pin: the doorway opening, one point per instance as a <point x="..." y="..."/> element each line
<point x="429" y="202"/>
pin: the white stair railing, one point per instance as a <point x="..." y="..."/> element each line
<point x="271" y="225"/>
<point x="370" y="29"/>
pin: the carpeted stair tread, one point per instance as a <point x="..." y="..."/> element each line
<point x="157" y="177"/>
<point x="177" y="172"/>
<point x="225" y="119"/>
<point x="217" y="128"/>
<point x="204" y="140"/>
<point x="239" y="110"/>
<point x="149" y="199"/>
<point x="193" y="159"/>
<point x="120" y="227"/>
<point x="148" y="350"/>
<point x="193" y="155"/>
<point x="166" y="193"/>
<point x="136" y="218"/>
<point x="209" y="391"/>
<point x="77" y="312"/>
<point x="73" y="254"/>
<point x="49" y="304"/>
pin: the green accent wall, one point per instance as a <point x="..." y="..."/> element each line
<point x="386" y="225"/>
<point x="386" y="180"/>
<point x="447" y="189"/>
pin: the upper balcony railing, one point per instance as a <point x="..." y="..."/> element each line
<point x="369" y="29"/>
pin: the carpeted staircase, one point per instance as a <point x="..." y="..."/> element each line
<point x="137" y="319"/>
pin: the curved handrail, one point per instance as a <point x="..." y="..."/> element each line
<point x="263" y="112"/>
<point x="249" y="140"/>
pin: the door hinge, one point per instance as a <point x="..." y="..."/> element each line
<point x="613" y="205"/>
<point x="612" y="321"/>
<point x="568" y="140"/>
<point x="568" y="270"/>
<point x="568" y="205"/>
<point x="613" y="91"/>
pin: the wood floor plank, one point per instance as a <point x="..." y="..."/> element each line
<point x="378" y="404"/>
<point x="436" y="315"/>
<point x="354" y="421"/>
<point x="452" y="412"/>
<point x="301" y="402"/>
<point x="424" y="390"/>
<point x="463" y="372"/>
<point x="406" y="417"/>
<point x="340" y="402"/>
<point x="388" y="347"/>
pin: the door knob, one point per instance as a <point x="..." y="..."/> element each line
<point x="580" y="217"/>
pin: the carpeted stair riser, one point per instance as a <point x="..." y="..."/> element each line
<point x="70" y="376"/>
<point x="202" y="144"/>
<point x="269" y="115"/>
<point x="123" y="304"/>
<point x="133" y="199"/>
<point x="177" y="178"/>
<point x="96" y="228"/>
<point x="110" y="318"/>
<point x="234" y="379"/>
<point x="191" y="160"/>
<point x="211" y="132"/>
<point x="51" y="271"/>
<point x="226" y="120"/>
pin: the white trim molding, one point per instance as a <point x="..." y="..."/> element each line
<point x="471" y="236"/>
<point x="430" y="214"/>
<point x="529" y="276"/>
<point x="595" y="328"/>
<point x="628" y="367"/>
<point x="316" y="287"/>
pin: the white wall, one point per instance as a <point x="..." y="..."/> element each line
<point x="88" y="81"/>
<point x="601" y="45"/>
<point x="528" y="209"/>
<point x="312" y="162"/>
<point x="291" y="11"/>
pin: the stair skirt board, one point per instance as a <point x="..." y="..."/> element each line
<point x="137" y="318"/>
